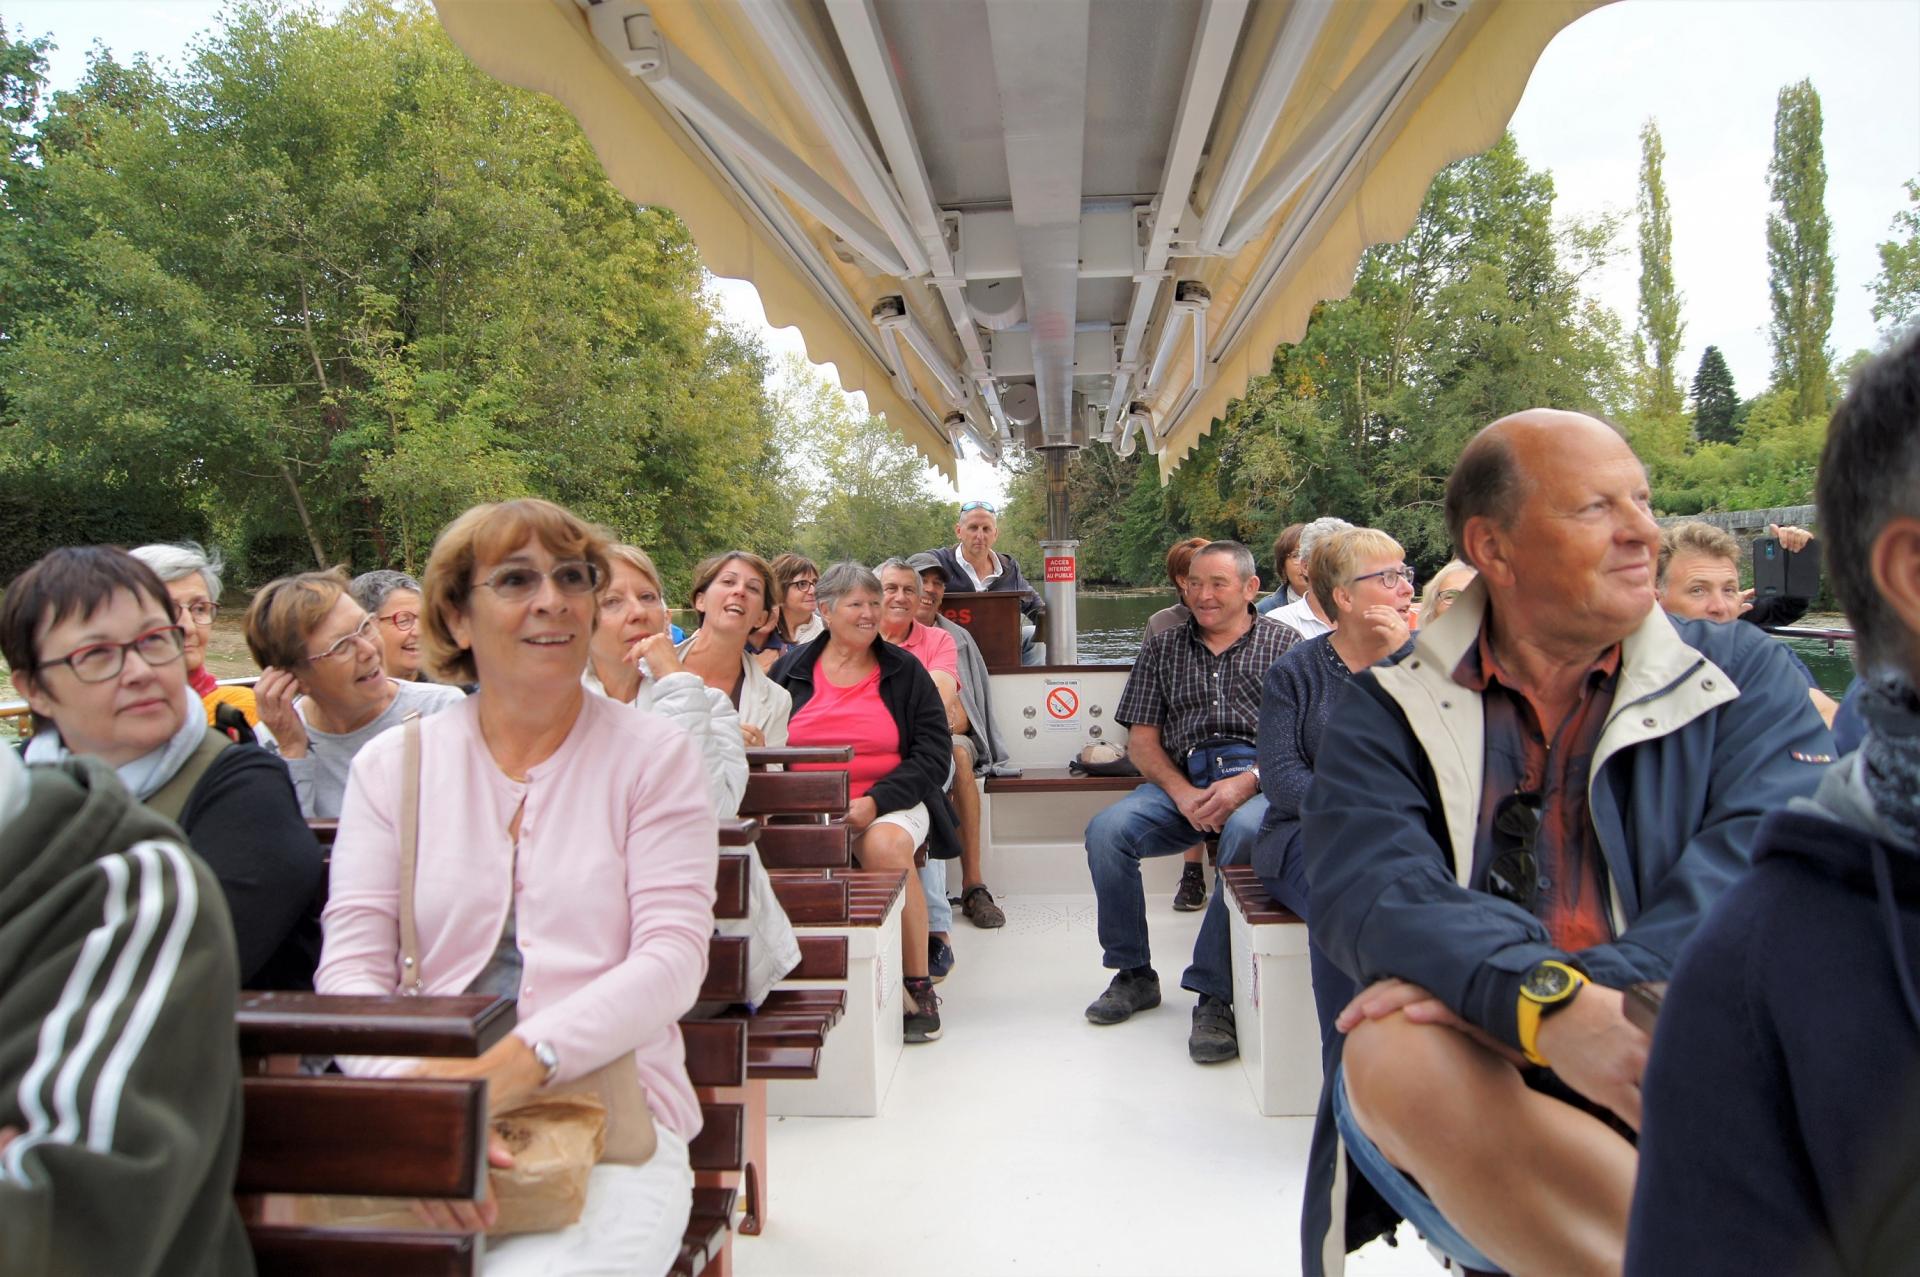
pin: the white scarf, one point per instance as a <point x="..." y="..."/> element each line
<point x="13" y="785"/>
<point x="146" y="774"/>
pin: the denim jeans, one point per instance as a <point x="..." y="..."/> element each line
<point x="933" y="881"/>
<point x="1144" y="824"/>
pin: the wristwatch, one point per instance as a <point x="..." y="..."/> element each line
<point x="1545" y="989"/>
<point x="549" y="1060"/>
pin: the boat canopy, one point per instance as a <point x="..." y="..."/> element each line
<point x="1058" y="222"/>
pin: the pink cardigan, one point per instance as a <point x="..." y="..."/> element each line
<point x="615" y="889"/>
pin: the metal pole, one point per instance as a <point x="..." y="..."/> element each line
<point x="1060" y="565"/>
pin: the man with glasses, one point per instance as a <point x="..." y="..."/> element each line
<point x="1529" y="813"/>
<point x="324" y="689"/>
<point x="973" y="564"/>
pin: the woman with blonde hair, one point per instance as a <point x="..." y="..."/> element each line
<point x="566" y="860"/>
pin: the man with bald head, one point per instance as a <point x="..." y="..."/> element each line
<point x="1530" y="813"/>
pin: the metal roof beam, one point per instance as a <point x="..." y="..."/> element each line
<point x="1040" y="65"/>
<point x="1387" y="68"/>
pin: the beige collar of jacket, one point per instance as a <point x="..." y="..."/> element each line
<point x="1664" y="685"/>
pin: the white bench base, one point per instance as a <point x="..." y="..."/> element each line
<point x="1273" y="1012"/>
<point x="861" y="1052"/>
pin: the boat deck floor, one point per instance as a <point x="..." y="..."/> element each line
<point x="1028" y="1141"/>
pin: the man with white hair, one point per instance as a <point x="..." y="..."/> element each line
<point x="119" y="1098"/>
<point x="1303" y="615"/>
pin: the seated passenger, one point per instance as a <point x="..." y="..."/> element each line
<point x="632" y="661"/>
<point x="1366" y="586"/>
<point x="850" y="689"/>
<point x="1446" y="586"/>
<point x="1781" y="1092"/>
<point x="1528" y="814"/>
<point x="323" y="690"/>
<point x="1698" y="579"/>
<point x="973" y="564"/>
<point x="1304" y="614"/>
<point x="1191" y="895"/>
<point x="937" y="652"/>
<point x="566" y="860"/>
<point x="794" y="576"/>
<point x="1288" y="570"/>
<point x="392" y="599"/>
<point x="1191" y="708"/>
<point x="732" y="594"/>
<point x="192" y="578"/>
<point x="95" y="645"/>
<point x="118" y="1144"/>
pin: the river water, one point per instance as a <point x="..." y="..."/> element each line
<point x="1111" y="626"/>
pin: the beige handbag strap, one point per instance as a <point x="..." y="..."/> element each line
<point x="410" y="981"/>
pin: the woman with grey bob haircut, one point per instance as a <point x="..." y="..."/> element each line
<point x="841" y="580"/>
<point x="392" y="599"/>
<point x="192" y="576"/>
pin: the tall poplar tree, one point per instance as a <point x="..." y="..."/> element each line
<point x="1658" y="341"/>
<point x="1799" y="256"/>
<point x="1714" y="400"/>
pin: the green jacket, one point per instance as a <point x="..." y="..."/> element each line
<point x="118" y="1063"/>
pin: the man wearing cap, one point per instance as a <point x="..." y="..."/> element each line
<point x="973" y="564"/>
<point x="977" y="746"/>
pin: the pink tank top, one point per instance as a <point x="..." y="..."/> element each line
<point x="853" y="716"/>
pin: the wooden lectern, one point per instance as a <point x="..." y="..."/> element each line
<point x="993" y="618"/>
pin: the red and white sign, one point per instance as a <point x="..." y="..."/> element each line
<point x="1063" y="702"/>
<point x="1059" y="567"/>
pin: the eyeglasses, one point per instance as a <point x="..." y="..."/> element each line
<point x="101" y="662"/>
<point x="1389" y="577"/>
<point x="803" y="583"/>
<point x="1447" y="596"/>
<point x="402" y="621"/>
<point x="515" y="583"/>
<point x="988" y="506"/>
<point x="202" y="612"/>
<point x="1515" y="873"/>
<point x="341" y="646"/>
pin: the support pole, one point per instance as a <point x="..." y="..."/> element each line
<point x="1060" y="567"/>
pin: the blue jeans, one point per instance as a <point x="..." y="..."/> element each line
<point x="1401" y="1193"/>
<point x="1144" y="824"/>
<point x="933" y="881"/>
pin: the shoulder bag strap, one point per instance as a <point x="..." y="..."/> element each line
<point x="171" y="798"/>
<point x="410" y="981"/>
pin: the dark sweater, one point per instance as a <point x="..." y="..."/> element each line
<point x="1783" y="1091"/>
<point x="244" y="821"/>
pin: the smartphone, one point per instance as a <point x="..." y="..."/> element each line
<point x="1779" y="572"/>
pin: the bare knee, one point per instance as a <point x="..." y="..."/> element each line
<point x="1409" y="1084"/>
<point x="885" y="847"/>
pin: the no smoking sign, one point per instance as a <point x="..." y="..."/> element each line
<point x="1062" y="703"/>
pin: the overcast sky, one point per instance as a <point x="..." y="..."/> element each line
<point x="1707" y="70"/>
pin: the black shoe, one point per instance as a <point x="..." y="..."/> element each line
<point x="922" y="1020"/>
<point x="939" y="958"/>
<point x="1192" y="892"/>
<point x="1126" y="994"/>
<point x="978" y="905"/>
<point x="1213" y="1040"/>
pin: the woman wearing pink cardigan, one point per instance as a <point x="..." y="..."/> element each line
<point x="566" y="859"/>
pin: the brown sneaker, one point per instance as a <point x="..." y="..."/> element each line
<point x="978" y="905"/>
<point x="921" y="1019"/>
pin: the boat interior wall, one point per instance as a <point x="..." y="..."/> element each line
<point x="1084" y="220"/>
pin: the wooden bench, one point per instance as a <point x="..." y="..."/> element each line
<point x="1272" y="998"/>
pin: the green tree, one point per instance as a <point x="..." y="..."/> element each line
<point x="1657" y="343"/>
<point x="332" y="283"/>
<point x="1799" y="258"/>
<point x="1896" y="289"/>
<point x="1714" y="399"/>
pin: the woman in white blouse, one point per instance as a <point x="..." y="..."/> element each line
<point x="732" y="597"/>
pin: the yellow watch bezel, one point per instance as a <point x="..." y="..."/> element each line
<point x="1532" y="1009"/>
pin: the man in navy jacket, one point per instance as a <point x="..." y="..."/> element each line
<point x="1527" y="815"/>
<point x="1784" y="1085"/>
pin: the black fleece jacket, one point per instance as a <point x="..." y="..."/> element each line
<point x="926" y="744"/>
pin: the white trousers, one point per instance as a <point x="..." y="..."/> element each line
<point x="631" y="1227"/>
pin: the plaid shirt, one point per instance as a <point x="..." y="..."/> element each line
<point x="1194" y="696"/>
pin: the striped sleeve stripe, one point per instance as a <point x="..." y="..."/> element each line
<point x="132" y="915"/>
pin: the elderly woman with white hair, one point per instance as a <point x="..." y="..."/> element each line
<point x="192" y="577"/>
<point x="392" y="599"/>
<point x="850" y="687"/>
<point x="1307" y="614"/>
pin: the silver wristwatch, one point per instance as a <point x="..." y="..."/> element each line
<point x="549" y="1060"/>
